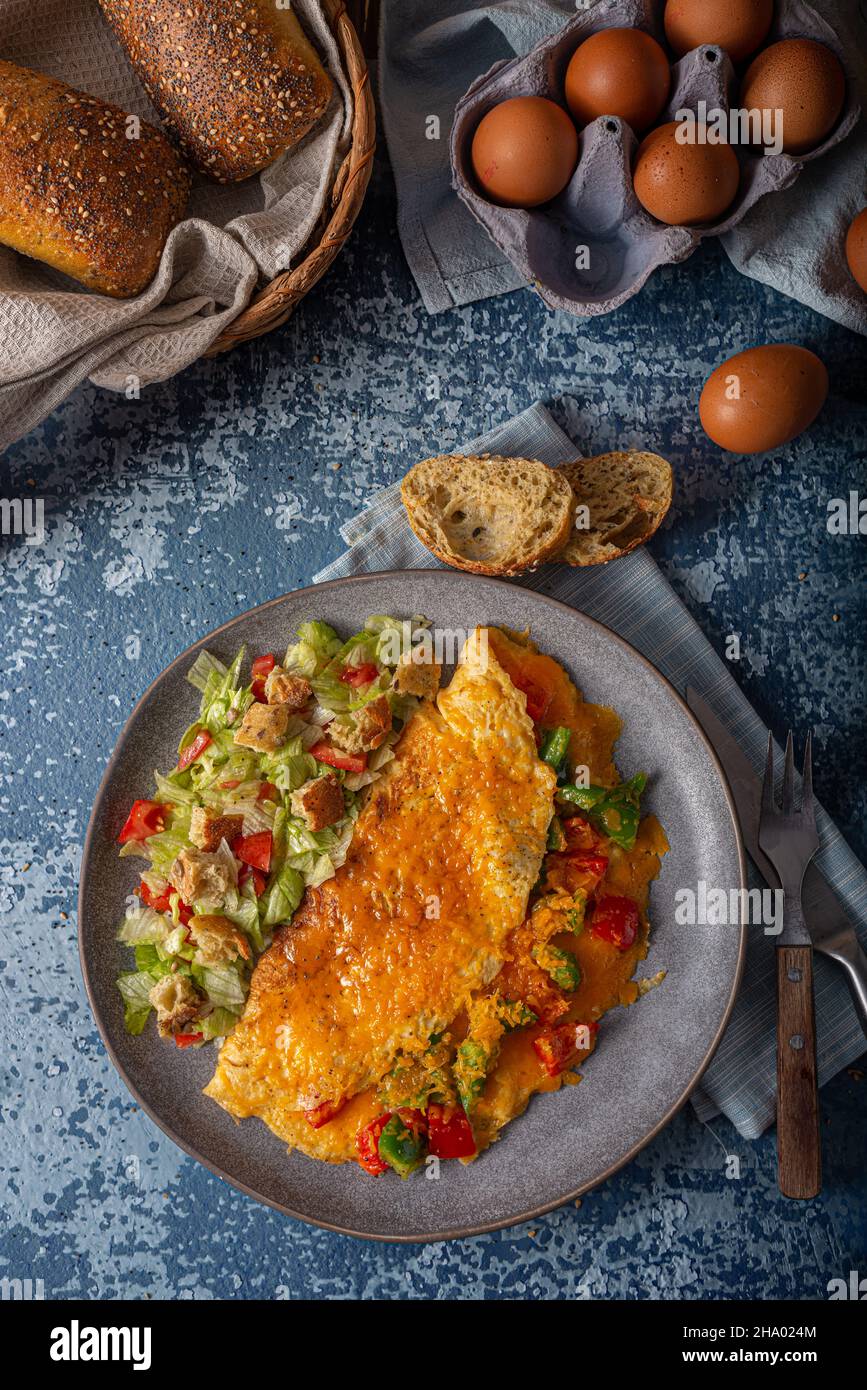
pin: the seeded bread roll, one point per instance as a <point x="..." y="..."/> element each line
<point x="235" y="81"/>
<point x="76" y="192"/>
<point x="486" y="514"/>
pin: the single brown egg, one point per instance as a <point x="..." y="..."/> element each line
<point x="805" y="81"/>
<point x="762" y="398"/>
<point x="524" y="152"/>
<point x="684" y="184"/>
<point x="618" y="72"/>
<point x="738" y="26"/>
<point x="856" y="249"/>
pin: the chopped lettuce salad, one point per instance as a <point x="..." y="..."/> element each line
<point x="260" y="805"/>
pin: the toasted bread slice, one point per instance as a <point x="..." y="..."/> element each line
<point x="626" y="496"/>
<point x="487" y="514"/>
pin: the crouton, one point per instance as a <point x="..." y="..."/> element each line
<point x="208" y="827"/>
<point x="420" y="678"/>
<point x="369" y="727"/>
<point x="263" y="727"/>
<point x="177" y="1001"/>
<point x="218" y="940"/>
<point x="319" y="801"/>
<point x="198" y="875"/>
<point x="283" y="689"/>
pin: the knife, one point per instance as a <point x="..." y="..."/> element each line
<point x="830" y="929"/>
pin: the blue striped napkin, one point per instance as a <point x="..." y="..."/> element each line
<point x="633" y="598"/>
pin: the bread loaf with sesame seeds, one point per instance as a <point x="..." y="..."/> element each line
<point x="83" y="186"/>
<point x="236" y="82"/>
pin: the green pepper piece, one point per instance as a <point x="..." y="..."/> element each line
<point x="513" y="1013"/>
<point x="616" y="811"/>
<point x="556" y="838"/>
<point x="560" y="965"/>
<point x="470" y="1072"/>
<point x="401" y="1147"/>
<point x="576" y="913"/>
<point x="555" y="746"/>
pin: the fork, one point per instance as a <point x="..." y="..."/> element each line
<point x="788" y="837"/>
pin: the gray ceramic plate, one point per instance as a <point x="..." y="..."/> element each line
<point x="651" y="1055"/>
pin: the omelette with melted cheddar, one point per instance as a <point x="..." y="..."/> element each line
<point x="490" y="910"/>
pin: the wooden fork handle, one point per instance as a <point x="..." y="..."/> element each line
<point x="799" y="1155"/>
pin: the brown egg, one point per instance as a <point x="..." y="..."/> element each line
<point x="685" y="184"/>
<point x="762" y="398"/>
<point x="524" y="152"/>
<point x="805" y="81"/>
<point x="856" y="249"/>
<point x="618" y="72"/>
<point x="738" y="26"/>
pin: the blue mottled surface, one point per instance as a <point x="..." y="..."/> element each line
<point x="225" y="487"/>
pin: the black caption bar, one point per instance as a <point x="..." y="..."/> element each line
<point x="146" y="1338"/>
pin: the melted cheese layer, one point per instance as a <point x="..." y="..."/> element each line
<point x="441" y="864"/>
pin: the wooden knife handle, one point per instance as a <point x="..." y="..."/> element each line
<point x="799" y="1154"/>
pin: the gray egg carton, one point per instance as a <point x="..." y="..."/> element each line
<point x="598" y="209"/>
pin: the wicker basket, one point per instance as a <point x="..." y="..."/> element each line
<point x="274" y="304"/>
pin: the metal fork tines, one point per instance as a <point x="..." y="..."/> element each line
<point x="788" y="837"/>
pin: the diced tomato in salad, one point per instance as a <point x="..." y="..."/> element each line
<point x="367" y="1145"/>
<point x="615" y="919"/>
<point x="194" y="750"/>
<point x="358" y="676"/>
<point x="335" y="757"/>
<point x="556" y="1047"/>
<point x="188" y="1039"/>
<point x="261" y="669"/>
<point x="260" y="880"/>
<point x="255" y="850"/>
<point x="162" y="902"/>
<point x="145" y="819"/>
<point x="319" y="1115"/>
<point x="450" y="1134"/>
<point x="267" y="792"/>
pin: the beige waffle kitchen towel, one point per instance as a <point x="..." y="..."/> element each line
<point x="53" y="333"/>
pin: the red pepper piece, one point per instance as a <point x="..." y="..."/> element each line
<point x="335" y="757"/>
<point x="255" y="850"/>
<point x="538" y="699"/>
<point x="580" y="834"/>
<point x="556" y="1047"/>
<point x="358" y="676"/>
<point x="450" y="1134"/>
<point x="586" y="862"/>
<point x="145" y="819"/>
<point x="319" y="1115"/>
<point x="615" y="919"/>
<point x="548" y="1004"/>
<point x="367" y="1145"/>
<point x="194" y="750"/>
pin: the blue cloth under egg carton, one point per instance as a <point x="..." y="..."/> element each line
<point x="598" y="209"/>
